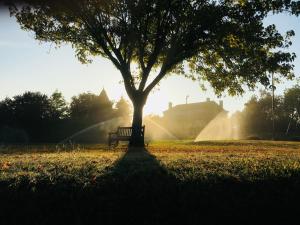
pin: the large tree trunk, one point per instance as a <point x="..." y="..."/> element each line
<point x="137" y="140"/>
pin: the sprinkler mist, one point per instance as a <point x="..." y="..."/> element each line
<point x="222" y="127"/>
<point x="105" y="125"/>
<point x="157" y="131"/>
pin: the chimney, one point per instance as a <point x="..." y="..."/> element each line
<point x="170" y="105"/>
<point x="208" y="99"/>
<point x="221" y="103"/>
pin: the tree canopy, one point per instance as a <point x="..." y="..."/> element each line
<point x="224" y="42"/>
<point x="292" y="103"/>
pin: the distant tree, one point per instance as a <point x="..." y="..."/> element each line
<point x="256" y="118"/>
<point x="9" y="133"/>
<point x="35" y="117"/>
<point x="292" y="105"/>
<point x="32" y="112"/>
<point x="90" y="108"/>
<point x="223" y="42"/>
<point x="123" y="110"/>
<point x="84" y="107"/>
<point x="60" y="109"/>
<point x="6" y="112"/>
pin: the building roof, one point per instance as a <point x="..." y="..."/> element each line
<point x="208" y="105"/>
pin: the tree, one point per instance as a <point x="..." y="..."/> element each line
<point x="88" y="108"/>
<point x="292" y="105"/>
<point x="256" y="118"/>
<point x="32" y="112"/>
<point x="123" y="110"/>
<point x="6" y="112"/>
<point x="223" y="42"/>
<point x="60" y="109"/>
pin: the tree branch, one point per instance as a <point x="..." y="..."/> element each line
<point x="158" y="78"/>
<point x="100" y="35"/>
<point x="166" y="65"/>
<point x="153" y="57"/>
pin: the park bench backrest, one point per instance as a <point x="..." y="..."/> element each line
<point x="124" y="131"/>
<point x="127" y="131"/>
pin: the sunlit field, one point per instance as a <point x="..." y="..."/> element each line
<point x="240" y="160"/>
<point x="240" y="182"/>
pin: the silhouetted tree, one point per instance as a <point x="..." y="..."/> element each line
<point x="36" y="117"/>
<point x="256" y="118"/>
<point x="223" y="42"/>
<point x="123" y="110"/>
<point x="60" y="109"/>
<point x="6" y="112"/>
<point x="87" y="110"/>
<point x="90" y="108"/>
<point x="292" y="105"/>
<point x="8" y="131"/>
<point x="32" y="112"/>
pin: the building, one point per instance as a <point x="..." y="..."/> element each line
<point x="187" y="120"/>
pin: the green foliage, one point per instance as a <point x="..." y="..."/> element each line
<point x="223" y="42"/>
<point x="31" y="117"/>
<point x="256" y="118"/>
<point x="59" y="105"/>
<point x="90" y="108"/>
<point x="5" y="111"/>
<point x="292" y="103"/>
<point x="123" y="110"/>
<point x="35" y="117"/>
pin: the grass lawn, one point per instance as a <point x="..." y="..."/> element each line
<point x="232" y="182"/>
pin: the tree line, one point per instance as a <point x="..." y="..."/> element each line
<point x="33" y="117"/>
<point x="256" y="119"/>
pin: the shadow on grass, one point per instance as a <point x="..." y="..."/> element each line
<point x="142" y="189"/>
<point x="138" y="189"/>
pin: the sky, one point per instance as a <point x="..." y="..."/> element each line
<point x="28" y="65"/>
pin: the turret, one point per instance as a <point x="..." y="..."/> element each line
<point x="103" y="97"/>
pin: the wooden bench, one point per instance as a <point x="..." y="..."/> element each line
<point x="122" y="134"/>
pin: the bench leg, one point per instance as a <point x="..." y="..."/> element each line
<point x="113" y="143"/>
